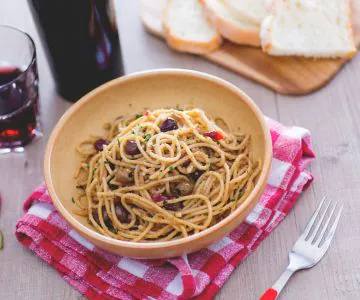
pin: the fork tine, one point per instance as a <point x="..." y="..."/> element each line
<point x="312" y="220"/>
<point x="331" y="233"/>
<point x="326" y="225"/>
<point x="315" y="231"/>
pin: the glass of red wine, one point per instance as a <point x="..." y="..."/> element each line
<point x="19" y="121"/>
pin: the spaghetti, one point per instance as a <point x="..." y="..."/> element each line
<point x="163" y="175"/>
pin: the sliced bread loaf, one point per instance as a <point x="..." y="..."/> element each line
<point x="253" y="11"/>
<point x="187" y="28"/>
<point x="311" y="28"/>
<point x="230" y="27"/>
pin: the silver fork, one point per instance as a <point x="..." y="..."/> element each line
<point x="310" y="247"/>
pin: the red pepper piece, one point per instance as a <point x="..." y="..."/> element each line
<point x="215" y="135"/>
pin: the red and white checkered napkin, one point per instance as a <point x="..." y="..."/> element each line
<point x="101" y="275"/>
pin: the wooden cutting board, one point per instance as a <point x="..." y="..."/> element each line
<point x="286" y="75"/>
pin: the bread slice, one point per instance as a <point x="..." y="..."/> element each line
<point x="230" y="27"/>
<point x="187" y="28"/>
<point x="253" y="11"/>
<point x="311" y="28"/>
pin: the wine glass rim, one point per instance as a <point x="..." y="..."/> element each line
<point x="32" y="61"/>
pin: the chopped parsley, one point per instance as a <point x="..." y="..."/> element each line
<point x="114" y="230"/>
<point x="147" y="137"/>
<point x="93" y="173"/>
<point x="72" y="200"/>
<point x="137" y="116"/>
<point x="171" y="168"/>
<point x="1" y="240"/>
<point x="118" y="141"/>
<point x="178" y="107"/>
<point x="133" y="131"/>
<point x="106" y="162"/>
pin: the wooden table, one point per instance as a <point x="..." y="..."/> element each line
<point x="332" y="115"/>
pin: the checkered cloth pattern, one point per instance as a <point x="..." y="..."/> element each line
<point x="101" y="275"/>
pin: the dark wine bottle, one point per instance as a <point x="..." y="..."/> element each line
<point x="81" y="41"/>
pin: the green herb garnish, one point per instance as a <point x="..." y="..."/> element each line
<point x="147" y="137"/>
<point x="118" y="141"/>
<point x="114" y="230"/>
<point x="137" y="116"/>
<point x="93" y="173"/>
<point x="72" y="200"/>
<point x="1" y="240"/>
<point x="106" y="162"/>
<point x="178" y="107"/>
<point x="171" y="168"/>
<point x="133" y="131"/>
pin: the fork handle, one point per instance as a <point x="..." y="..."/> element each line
<point x="273" y="292"/>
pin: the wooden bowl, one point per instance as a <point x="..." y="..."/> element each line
<point x="130" y="95"/>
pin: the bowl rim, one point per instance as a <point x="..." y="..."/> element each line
<point x="75" y="224"/>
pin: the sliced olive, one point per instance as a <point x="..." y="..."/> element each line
<point x="186" y="163"/>
<point x="196" y="175"/>
<point x="173" y="206"/>
<point x="100" y="143"/>
<point x="168" y="125"/>
<point x="131" y="148"/>
<point x="106" y="217"/>
<point x="121" y="212"/>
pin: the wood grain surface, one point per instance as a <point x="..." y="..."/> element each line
<point x="331" y="114"/>
<point x="286" y="75"/>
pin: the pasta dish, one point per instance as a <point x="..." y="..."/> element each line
<point x="163" y="175"/>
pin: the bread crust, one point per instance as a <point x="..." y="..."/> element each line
<point x="231" y="31"/>
<point x="190" y="46"/>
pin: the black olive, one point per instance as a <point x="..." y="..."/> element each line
<point x="99" y="144"/>
<point x="168" y="125"/>
<point x="173" y="206"/>
<point x="96" y="216"/>
<point x="195" y="175"/>
<point x="121" y="212"/>
<point x="106" y="217"/>
<point x="186" y="163"/>
<point x="131" y="148"/>
<point x="113" y="186"/>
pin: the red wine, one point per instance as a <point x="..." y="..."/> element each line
<point x="18" y="106"/>
<point x="82" y="43"/>
<point x="8" y="74"/>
